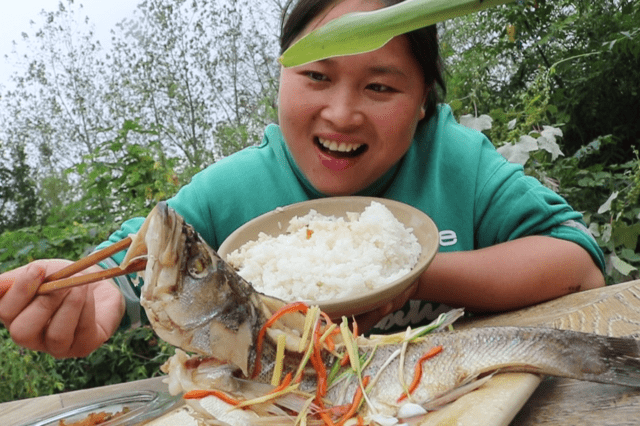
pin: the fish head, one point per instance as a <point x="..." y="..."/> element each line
<point x="193" y="298"/>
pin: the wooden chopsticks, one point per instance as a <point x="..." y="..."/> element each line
<point x="63" y="278"/>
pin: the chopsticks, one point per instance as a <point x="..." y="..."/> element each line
<point x="63" y="279"/>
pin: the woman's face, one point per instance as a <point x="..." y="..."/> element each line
<point x="347" y="120"/>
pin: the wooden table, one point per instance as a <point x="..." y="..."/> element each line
<point x="614" y="310"/>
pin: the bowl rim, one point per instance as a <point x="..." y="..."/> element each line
<point x="427" y="237"/>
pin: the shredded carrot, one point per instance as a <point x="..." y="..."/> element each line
<point x="345" y="359"/>
<point x="418" y="371"/>
<point x="360" y="420"/>
<point x="199" y="394"/>
<point x="327" y="419"/>
<point x="321" y="370"/>
<point x="357" y="397"/>
<point x="285" y="382"/>
<point x="330" y="345"/>
<point x="309" y="233"/>
<point x="289" y="308"/>
<point x="338" y="410"/>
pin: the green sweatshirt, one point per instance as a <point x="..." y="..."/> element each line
<point x="452" y="173"/>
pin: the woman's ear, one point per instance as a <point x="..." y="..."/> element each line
<point x="426" y="98"/>
<point x="423" y="105"/>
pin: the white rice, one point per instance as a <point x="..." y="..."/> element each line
<point x="324" y="257"/>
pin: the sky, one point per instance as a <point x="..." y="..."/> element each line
<point x="16" y="15"/>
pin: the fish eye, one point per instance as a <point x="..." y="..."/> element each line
<point x="198" y="267"/>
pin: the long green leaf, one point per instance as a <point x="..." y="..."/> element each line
<point x="367" y="31"/>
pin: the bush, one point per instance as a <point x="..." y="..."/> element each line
<point x="129" y="355"/>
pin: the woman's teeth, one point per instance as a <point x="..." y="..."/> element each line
<point x="339" y="147"/>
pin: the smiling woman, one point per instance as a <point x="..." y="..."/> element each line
<point x="358" y="112"/>
<point x="365" y="124"/>
<point x="346" y="122"/>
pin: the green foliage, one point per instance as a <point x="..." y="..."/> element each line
<point x="129" y="355"/>
<point x="57" y="240"/>
<point x="607" y="194"/>
<point x="590" y="50"/>
<point x="18" y="200"/>
<point x="118" y="180"/>
<point x="121" y="179"/>
<point x="364" y="32"/>
<point x="554" y="85"/>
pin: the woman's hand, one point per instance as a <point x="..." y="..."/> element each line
<point x="66" y="323"/>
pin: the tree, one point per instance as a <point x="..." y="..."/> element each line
<point x="590" y="52"/>
<point x="195" y="70"/>
<point x="55" y="112"/>
<point x="18" y="199"/>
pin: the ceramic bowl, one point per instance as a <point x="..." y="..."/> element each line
<point x="275" y="222"/>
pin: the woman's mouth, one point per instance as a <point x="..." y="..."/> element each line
<point x="340" y="149"/>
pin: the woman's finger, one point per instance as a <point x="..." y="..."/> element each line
<point x="91" y="333"/>
<point x="63" y="328"/>
<point x="22" y="284"/>
<point x="29" y="327"/>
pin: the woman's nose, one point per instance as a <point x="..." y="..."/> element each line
<point x="343" y="109"/>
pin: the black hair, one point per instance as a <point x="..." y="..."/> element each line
<point x="423" y="43"/>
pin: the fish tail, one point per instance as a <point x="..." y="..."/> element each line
<point x="622" y="358"/>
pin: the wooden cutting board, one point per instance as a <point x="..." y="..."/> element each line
<point x="612" y="311"/>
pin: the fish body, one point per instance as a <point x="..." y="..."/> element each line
<point x="197" y="302"/>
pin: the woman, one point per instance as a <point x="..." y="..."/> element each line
<point x="364" y="124"/>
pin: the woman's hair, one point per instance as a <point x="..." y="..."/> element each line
<point x="423" y="43"/>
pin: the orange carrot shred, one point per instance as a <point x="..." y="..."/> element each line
<point x="318" y="365"/>
<point x="327" y="419"/>
<point x="357" y="397"/>
<point x="289" y="308"/>
<point x="338" y="410"/>
<point x="345" y="359"/>
<point x="285" y="382"/>
<point x="329" y="341"/>
<point x="418" y="370"/>
<point x="199" y="394"/>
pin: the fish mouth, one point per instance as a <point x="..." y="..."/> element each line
<point x="140" y="247"/>
<point x="340" y="149"/>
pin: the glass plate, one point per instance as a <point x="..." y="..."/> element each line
<point x="142" y="406"/>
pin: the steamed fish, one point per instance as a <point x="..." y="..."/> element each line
<point x="258" y="360"/>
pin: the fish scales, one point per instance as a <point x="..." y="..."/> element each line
<point x="196" y="301"/>
<point x="470" y="353"/>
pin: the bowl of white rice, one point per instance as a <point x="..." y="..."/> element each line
<point x="348" y="255"/>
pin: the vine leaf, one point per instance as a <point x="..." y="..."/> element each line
<point x="362" y="32"/>
<point x="483" y="122"/>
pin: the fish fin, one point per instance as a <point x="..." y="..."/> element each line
<point x="622" y="357"/>
<point x="468" y="386"/>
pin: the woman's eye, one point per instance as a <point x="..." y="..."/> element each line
<point x="380" y="88"/>
<point x="316" y="76"/>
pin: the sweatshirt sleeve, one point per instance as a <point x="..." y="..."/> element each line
<point x="510" y="205"/>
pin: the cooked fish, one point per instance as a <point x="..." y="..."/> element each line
<point x="197" y="302"/>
